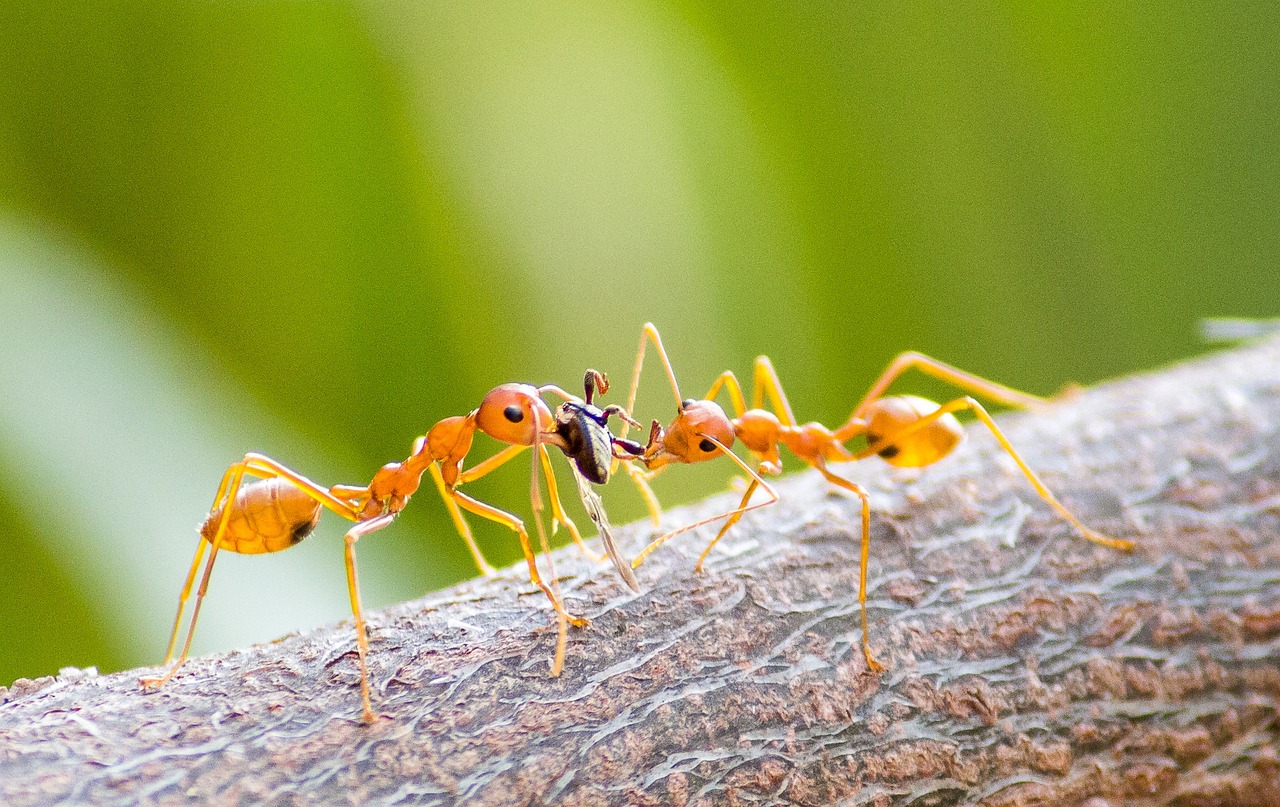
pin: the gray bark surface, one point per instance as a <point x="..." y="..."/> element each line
<point x="1026" y="666"/>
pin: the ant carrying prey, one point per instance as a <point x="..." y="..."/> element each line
<point x="284" y="507"/>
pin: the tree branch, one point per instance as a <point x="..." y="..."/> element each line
<point x="1026" y="665"/>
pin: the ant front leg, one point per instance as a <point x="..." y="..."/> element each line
<point x="514" y="524"/>
<point x="733" y="515"/>
<point x="506" y="519"/>
<point x="764" y="382"/>
<point x="558" y="516"/>
<point x="640" y="477"/>
<point x="526" y="546"/>
<point x="727" y="380"/>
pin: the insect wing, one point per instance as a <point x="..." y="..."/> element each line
<point x="595" y="508"/>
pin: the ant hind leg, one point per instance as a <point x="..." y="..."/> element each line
<point x="961" y="404"/>
<point x="857" y="490"/>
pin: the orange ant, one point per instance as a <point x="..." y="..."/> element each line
<point x="284" y="507"/>
<point x="905" y="430"/>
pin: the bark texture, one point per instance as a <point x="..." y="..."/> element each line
<point x="1026" y="666"/>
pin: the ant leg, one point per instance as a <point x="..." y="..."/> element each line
<point x="263" y="466"/>
<point x="156" y="683"/>
<point x="557" y="509"/>
<point x="489" y="464"/>
<point x="728" y="381"/>
<point x="857" y="490"/>
<point x="733" y="519"/>
<point x="765" y="381"/>
<point x="961" y="404"/>
<point x="943" y="372"/>
<point x="557" y="506"/>
<point x="257" y="465"/>
<point x="641" y="478"/>
<point x="227" y="491"/>
<point x="734" y="514"/>
<point x="535" y="502"/>
<point x="182" y="599"/>
<point x="459" y="522"/>
<point x="353" y="587"/>
<point x="517" y="526"/>
<point x="469" y="475"/>
<point x="650" y="333"/>
<point x="349" y="493"/>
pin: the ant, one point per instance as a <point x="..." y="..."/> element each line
<point x="904" y="430"/>
<point x="284" y="507"/>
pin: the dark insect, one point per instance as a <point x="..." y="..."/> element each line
<point x="592" y="448"/>
<point x="584" y="427"/>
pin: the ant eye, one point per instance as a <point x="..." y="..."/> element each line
<point x="707" y="446"/>
<point x="686" y="403"/>
<point x="513" y="413"/>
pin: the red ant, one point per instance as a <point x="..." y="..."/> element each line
<point x="904" y="430"/>
<point x="284" y="507"/>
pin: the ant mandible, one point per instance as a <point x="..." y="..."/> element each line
<point x="284" y="507"/>
<point x="904" y="430"/>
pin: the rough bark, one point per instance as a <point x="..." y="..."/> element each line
<point x="1026" y="666"/>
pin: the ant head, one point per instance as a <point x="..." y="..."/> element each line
<point x="686" y="439"/>
<point x="511" y="412"/>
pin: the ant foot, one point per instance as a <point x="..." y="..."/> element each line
<point x="872" y="664"/>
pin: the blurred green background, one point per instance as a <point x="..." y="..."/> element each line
<point x="314" y="229"/>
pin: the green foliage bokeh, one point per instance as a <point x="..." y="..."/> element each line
<point x="315" y="229"/>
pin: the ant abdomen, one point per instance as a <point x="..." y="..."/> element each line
<point x="267" y="516"/>
<point x="917" y="449"/>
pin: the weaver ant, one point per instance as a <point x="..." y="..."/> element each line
<point x="904" y="430"/>
<point x="284" y="507"/>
